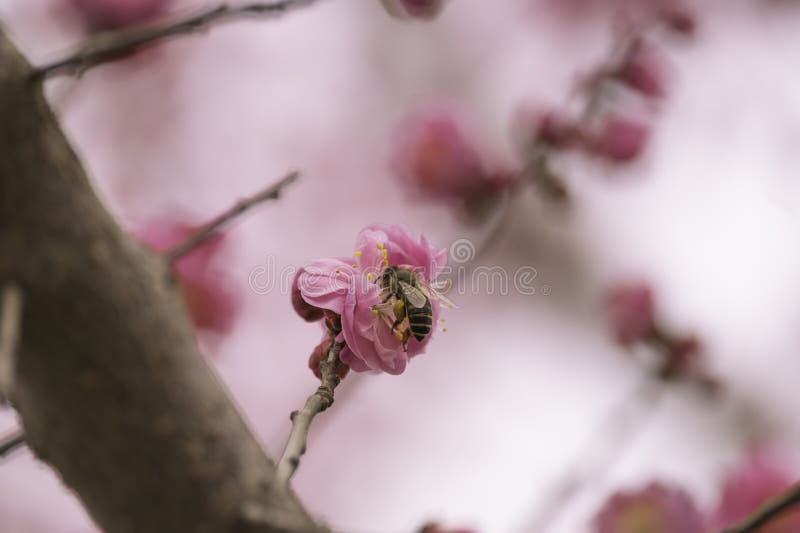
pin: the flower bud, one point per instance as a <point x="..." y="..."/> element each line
<point x="621" y="139"/>
<point x="307" y="312"/>
<point x="319" y="353"/>
<point x="631" y="312"/>
<point x="413" y="9"/>
<point x="110" y="14"/>
<point x="434" y="157"/>
<point x="643" y="72"/>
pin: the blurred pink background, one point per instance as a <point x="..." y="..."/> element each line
<point x="475" y="432"/>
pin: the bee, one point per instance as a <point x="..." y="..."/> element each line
<point x="412" y="301"/>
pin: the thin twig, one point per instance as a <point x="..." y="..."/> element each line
<point x="604" y="449"/>
<point x="12" y="442"/>
<point x="769" y="512"/>
<point x="209" y="230"/>
<point x="10" y="325"/>
<point x="111" y="45"/>
<point x="301" y="420"/>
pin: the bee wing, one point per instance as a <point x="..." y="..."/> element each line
<point x="434" y="294"/>
<point x="414" y="296"/>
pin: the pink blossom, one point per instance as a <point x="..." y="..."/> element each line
<point x="679" y="19"/>
<point x="350" y="288"/>
<point x="210" y="301"/>
<point x="109" y="14"/>
<point x="631" y="312"/>
<point x="621" y="139"/>
<point x="757" y="479"/>
<point x="654" y="509"/>
<point x="643" y="71"/>
<point x="410" y="9"/>
<point x="435" y="158"/>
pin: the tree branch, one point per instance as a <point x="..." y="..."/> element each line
<point x="10" y="325"/>
<point x="318" y="402"/>
<point x="111" y="45"/>
<point x="270" y="193"/>
<point x="769" y="512"/>
<point x="108" y="356"/>
<point x="10" y="443"/>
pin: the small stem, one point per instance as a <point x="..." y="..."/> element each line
<point x="321" y="400"/>
<point x="12" y="442"/>
<point x="203" y="234"/>
<point x="10" y="326"/>
<point x="769" y="512"/>
<point x="111" y="45"/>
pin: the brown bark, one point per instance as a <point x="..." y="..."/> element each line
<point x="109" y="384"/>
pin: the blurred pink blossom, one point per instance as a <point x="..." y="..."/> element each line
<point x="350" y="288"/>
<point x="758" y="478"/>
<point x="434" y="157"/>
<point x="678" y="18"/>
<point x="631" y="312"/>
<point x="419" y="9"/>
<point x="211" y="303"/>
<point x="654" y="509"/>
<point x="643" y="71"/>
<point x="109" y="14"/>
<point x="621" y="139"/>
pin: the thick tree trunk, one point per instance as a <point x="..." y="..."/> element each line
<point x="110" y="386"/>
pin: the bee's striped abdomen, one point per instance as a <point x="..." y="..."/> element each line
<point x="420" y="321"/>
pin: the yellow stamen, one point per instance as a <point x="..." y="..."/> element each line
<point x="399" y="335"/>
<point x="376" y="312"/>
<point x="358" y="254"/>
<point x="380" y="246"/>
<point x="369" y="276"/>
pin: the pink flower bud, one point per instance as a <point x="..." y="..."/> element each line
<point x="631" y="313"/>
<point x="210" y="301"/>
<point x="656" y="508"/>
<point x="434" y="157"/>
<point x="109" y="14"/>
<point x="307" y="312"/>
<point x="319" y="353"/>
<point x="679" y="20"/>
<point x="643" y="72"/>
<point x="413" y="9"/>
<point x="621" y="139"/>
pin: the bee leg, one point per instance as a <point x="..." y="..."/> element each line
<point x="399" y="310"/>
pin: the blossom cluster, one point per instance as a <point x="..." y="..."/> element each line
<point x="347" y="292"/>
<point x="436" y="157"/>
<point x="633" y="320"/>
<point x="667" y="508"/>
